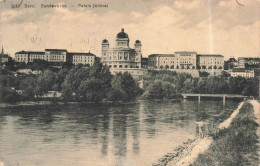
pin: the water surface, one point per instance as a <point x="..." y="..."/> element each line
<point x="126" y="134"/>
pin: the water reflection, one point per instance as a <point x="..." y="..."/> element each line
<point x="111" y="135"/>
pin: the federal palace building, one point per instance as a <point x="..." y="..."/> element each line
<point x="122" y="58"/>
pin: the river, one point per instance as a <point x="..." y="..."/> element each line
<point x="125" y="134"/>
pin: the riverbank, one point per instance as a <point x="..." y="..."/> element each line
<point x="49" y="102"/>
<point x="234" y="143"/>
<point x="186" y="153"/>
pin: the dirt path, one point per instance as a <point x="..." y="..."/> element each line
<point x="228" y="121"/>
<point x="257" y="115"/>
<point x="201" y="146"/>
<point x="187" y="154"/>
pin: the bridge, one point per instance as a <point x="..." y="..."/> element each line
<point x="224" y="96"/>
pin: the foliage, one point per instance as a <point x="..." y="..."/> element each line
<point x="38" y="64"/>
<point x="155" y="84"/>
<point x="124" y="87"/>
<point x="88" y="84"/>
<point x="8" y="95"/>
<point x="203" y="74"/>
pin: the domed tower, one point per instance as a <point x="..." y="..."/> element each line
<point x="105" y="48"/>
<point x="122" y="39"/>
<point x="138" y="46"/>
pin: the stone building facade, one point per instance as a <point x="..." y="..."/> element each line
<point x="242" y="72"/>
<point x="56" y="56"/>
<point x="186" y="60"/>
<point x="82" y="58"/>
<point x="249" y="62"/>
<point x="121" y="56"/>
<point x="210" y="62"/>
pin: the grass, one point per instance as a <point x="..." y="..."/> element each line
<point x="236" y="145"/>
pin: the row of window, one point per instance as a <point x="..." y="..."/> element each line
<point x="83" y="57"/>
<point x="79" y="60"/>
<point x="121" y="66"/>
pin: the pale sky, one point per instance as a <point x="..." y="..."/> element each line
<point x="163" y="26"/>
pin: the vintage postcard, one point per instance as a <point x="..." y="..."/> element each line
<point x="129" y="82"/>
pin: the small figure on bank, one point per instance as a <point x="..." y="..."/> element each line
<point x="200" y="125"/>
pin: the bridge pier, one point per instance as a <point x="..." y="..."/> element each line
<point x="199" y="98"/>
<point x="224" y="100"/>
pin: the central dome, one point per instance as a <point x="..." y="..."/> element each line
<point x="122" y="34"/>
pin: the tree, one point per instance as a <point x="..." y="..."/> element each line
<point x="38" y="64"/>
<point x="225" y="74"/>
<point x="8" y="95"/>
<point x="177" y="67"/>
<point x="167" y="67"/>
<point x="182" y="67"/>
<point x="161" y="67"/>
<point x="9" y="65"/>
<point x="45" y="82"/>
<point x="172" y="67"/>
<point x="203" y="74"/>
<point x="193" y="67"/>
<point x="124" y="85"/>
<point x="28" y="85"/>
<point x="215" y="67"/>
<point x="210" y="67"/>
<point x="204" y="67"/>
<point x="88" y="84"/>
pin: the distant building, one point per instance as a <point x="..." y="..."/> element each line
<point x="249" y="62"/>
<point x="178" y="60"/>
<point x="144" y="62"/>
<point x="22" y="56"/>
<point x="162" y="61"/>
<point x="56" y="55"/>
<point x="83" y="58"/>
<point x="4" y="57"/>
<point x="242" y="72"/>
<point x="210" y="62"/>
<point x="230" y="64"/>
<point x="121" y="56"/>
<point x="186" y="60"/>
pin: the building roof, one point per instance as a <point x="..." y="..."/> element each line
<point x="161" y="55"/>
<point x="210" y="55"/>
<point x="185" y="52"/>
<point x="105" y="41"/>
<point x="30" y="52"/>
<point x="81" y="54"/>
<point x="232" y="60"/>
<point x="249" y="58"/>
<point x="241" y="70"/>
<point x="137" y="41"/>
<point x="122" y="34"/>
<point x="55" y="50"/>
<point x="4" y="56"/>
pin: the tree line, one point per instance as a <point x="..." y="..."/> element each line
<point x="169" y="85"/>
<point x="79" y="83"/>
<point x="96" y="84"/>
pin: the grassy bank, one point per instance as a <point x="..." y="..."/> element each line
<point x="236" y="145"/>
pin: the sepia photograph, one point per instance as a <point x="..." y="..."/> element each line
<point x="129" y="82"/>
